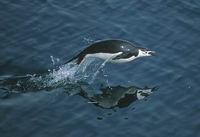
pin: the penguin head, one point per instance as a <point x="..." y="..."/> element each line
<point x="142" y="52"/>
<point x="142" y="93"/>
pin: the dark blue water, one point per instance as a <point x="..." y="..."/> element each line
<point x="31" y="32"/>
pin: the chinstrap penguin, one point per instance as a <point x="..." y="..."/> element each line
<point x="115" y="51"/>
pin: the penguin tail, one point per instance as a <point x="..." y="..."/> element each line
<point x="73" y="60"/>
<point x="77" y="60"/>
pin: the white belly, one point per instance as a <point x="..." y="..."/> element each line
<point x="123" y="60"/>
<point x="110" y="56"/>
<point x="104" y="56"/>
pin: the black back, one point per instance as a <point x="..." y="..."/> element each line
<point x="110" y="46"/>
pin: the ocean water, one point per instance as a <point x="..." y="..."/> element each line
<point x="41" y="97"/>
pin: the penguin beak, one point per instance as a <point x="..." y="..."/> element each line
<point x="152" y="53"/>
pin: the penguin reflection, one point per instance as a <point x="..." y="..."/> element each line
<point x="118" y="96"/>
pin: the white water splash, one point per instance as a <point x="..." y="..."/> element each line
<point x="98" y="70"/>
<point x="54" y="60"/>
<point x="68" y="73"/>
<point x="73" y="73"/>
<point x="102" y="65"/>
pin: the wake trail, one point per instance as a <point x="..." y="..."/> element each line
<point x="64" y="75"/>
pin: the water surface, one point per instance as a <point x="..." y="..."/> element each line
<point x="32" y="32"/>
